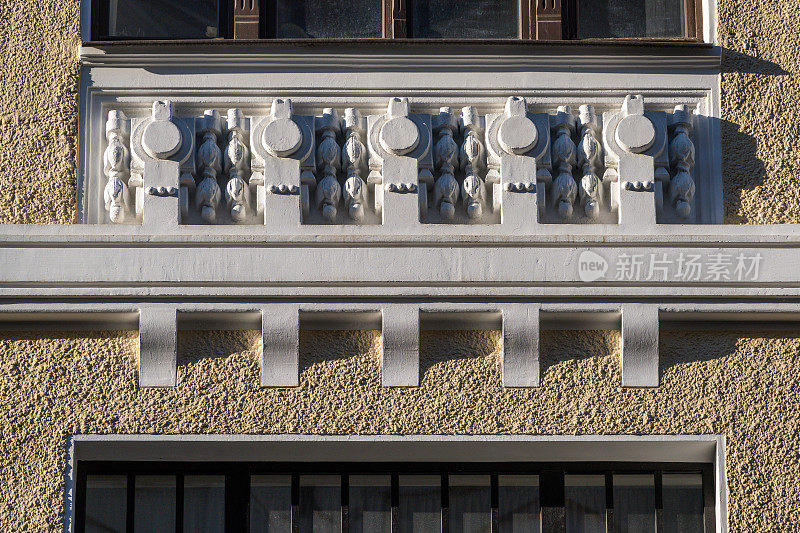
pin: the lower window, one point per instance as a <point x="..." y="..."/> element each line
<point x="391" y="497"/>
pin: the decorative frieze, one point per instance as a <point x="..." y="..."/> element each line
<point x="516" y="168"/>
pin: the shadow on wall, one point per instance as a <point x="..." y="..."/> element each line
<point x="742" y="169"/>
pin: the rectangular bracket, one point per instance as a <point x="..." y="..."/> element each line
<point x="158" y="346"/>
<point x="280" y="359"/>
<point x="521" y="345"/>
<point x="400" y="346"/>
<point x="640" y="325"/>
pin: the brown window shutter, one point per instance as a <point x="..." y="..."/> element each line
<point x="245" y="19"/>
<point x="548" y="20"/>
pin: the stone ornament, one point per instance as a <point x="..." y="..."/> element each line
<point x="209" y="165"/>
<point x="117" y="167"/>
<point x="564" y="189"/>
<point x="354" y="159"/>
<point x="276" y="141"/>
<point x="681" y="157"/>
<point x="329" y="192"/>
<point x="446" y="188"/>
<point x="636" y="157"/>
<point x="473" y="162"/>
<point x="162" y="137"/>
<point x="237" y="166"/>
<point x="394" y="139"/>
<point x="590" y="160"/>
<point x="463" y="164"/>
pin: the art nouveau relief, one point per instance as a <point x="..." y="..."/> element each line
<point x="455" y="166"/>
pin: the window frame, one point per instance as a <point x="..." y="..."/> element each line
<point x="237" y="475"/>
<point x="256" y="20"/>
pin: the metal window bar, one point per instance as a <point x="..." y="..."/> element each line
<point x="237" y="487"/>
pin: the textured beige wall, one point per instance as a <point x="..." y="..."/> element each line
<point x="760" y="109"/>
<point x="52" y="385"/>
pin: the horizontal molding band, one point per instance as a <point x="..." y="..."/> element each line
<point x="426" y="235"/>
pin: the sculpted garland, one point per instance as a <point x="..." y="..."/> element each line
<point x="353" y="169"/>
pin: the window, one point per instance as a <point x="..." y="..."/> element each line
<point x="390" y="497"/>
<point x="396" y="19"/>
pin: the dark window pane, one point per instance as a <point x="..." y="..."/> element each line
<point x="270" y="504"/>
<point x="634" y="504"/>
<point x="163" y="19"/>
<point x="155" y="504"/>
<point x="683" y="503"/>
<point x="106" y="504"/>
<point x="329" y="19"/>
<point x="370" y="504"/>
<point x="585" y="503"/>
<point x="470" y="19"/>
<point x="470" y="504"/>
<point x="420" y="504"/>
<point x="519" y="504"/>
<point x="204" y="504"/>
<point x="630" y="18"/>
<point x="320" y="504"/>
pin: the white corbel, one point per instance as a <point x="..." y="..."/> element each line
<point x="640" y="327"/>
<point x="400" y="330"/>
<point x="280" y="333"/>
<point x="520" y="345"/>
<point x="158" y="346"/>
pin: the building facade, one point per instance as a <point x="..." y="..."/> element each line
<point x="264" y="283"/>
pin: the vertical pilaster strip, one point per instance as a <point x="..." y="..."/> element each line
<point x="245" y="19"/>
<point x="640" y="345"/>
<point x="280" y="359"/>
<point x="521" y="346"/>
<point x="158" y="346"/>
<point x="400" y="346"/>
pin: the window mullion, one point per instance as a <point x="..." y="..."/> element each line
<point x="130" y="494"/>
<point x="395" y="19"/>
<point x="395" y="498"/>
<point x="179" y="499"/>
<point x="551" y="497"/>
<point x="344" y="493"/>
<point x="609" y="502"/>
<point x="659" y="490"/>
<point x="246" y="18"/>
<point x="495" y="499"/>
<point x="295" y="503"/>
<point x="548" y="25"/>
<point x="445" y="493"/>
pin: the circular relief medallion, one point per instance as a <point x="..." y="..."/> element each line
<point x="635" y="133"/>
<point x="282" y="137"/>
<point x="517" y="135"/>
<point x="161" y="139"/>
<point x="399" y="135"/>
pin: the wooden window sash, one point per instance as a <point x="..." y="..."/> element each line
<point x="538" y="19"/>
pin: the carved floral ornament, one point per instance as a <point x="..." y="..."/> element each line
<point x="462" y="167"/>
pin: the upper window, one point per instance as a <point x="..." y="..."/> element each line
<point x="395" y="19"/>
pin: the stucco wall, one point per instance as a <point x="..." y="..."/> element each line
<point x="760" y="101"/>
<point x="713" y="383"/>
